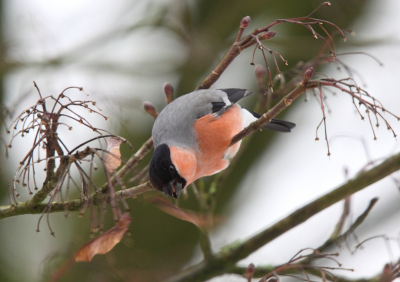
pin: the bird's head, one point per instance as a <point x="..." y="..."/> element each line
<point x="163" y="173"/>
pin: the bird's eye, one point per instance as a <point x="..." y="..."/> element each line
<point x="171" y="169"/>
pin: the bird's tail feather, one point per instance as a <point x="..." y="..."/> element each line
<point x="276" y="124"/>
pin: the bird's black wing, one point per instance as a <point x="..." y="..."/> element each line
<point x="234" y="95"/>
<point x="276" y="124"/>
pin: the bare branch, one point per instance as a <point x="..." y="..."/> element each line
<point x="73" y="205"/>
<point x="279" y="107"/>
<point x="233" y="253"/>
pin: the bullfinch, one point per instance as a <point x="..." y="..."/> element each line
<point x="192" y="135"/>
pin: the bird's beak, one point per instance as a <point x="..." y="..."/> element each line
<point x="169" y="189"/>
<point x="173" y="189"/>
<point x="178" y="189"/>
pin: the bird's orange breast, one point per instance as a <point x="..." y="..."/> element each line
<point x="214" y="134"/>
<point x="185" y="162"/>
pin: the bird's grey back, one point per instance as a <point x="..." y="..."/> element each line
<point x="174" y="125"/>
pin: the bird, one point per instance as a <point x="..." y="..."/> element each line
<point x="192" y="137"/>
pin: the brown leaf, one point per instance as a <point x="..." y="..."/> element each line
<point x="105" y="242"/>
<point x="203" y="221"/>
<point x="113" y="158"/>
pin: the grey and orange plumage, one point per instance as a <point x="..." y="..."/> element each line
<point x="192" y="136"/>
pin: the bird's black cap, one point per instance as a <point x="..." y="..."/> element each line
<point x="163" y="174"/>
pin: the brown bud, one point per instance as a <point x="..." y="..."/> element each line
<point x="267" y="35"/>
<point x="150" y="109"/>
<point x="260" y="72"/>
<point x="245" y="22"/>
<point x="308" y="73"/>
<point x="288" y="101"/>
<point x="250" y="270"/>
<point x="169" y="92"/>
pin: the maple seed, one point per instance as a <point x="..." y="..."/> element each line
<point x="245" y="22"/>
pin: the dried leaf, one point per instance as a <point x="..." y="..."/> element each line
<point x="105" y="242"/>
<point x="113" y="158"/>
<point x="203" y="221"/>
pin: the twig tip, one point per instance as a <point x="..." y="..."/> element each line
<point x="245" y="22"/>
<point x="150" y="109"/>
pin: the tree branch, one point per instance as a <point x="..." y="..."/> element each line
<point x="49" y="184"/>
<point x="73" y="205"/>
<point x="133" y="161"/>
<point x="213" y="76"/>
<point x="337" y="237"/>
<point x="264" y="270"/>
<point x="225" y="260"/>
<point x="35" y="205"/>
<point x="279" y="107"/>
